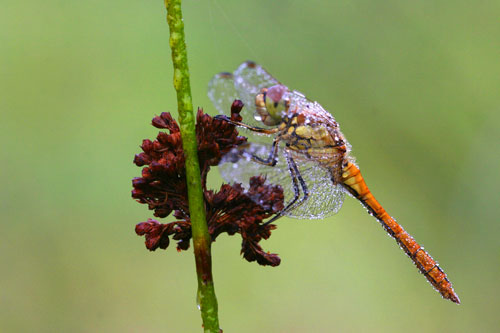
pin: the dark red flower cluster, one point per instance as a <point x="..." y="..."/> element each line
<point x="231" y="210"/>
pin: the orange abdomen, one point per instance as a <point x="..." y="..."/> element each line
<point x="353" y="181"/>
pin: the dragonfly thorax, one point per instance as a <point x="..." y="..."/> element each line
<point x="271" y="104"/>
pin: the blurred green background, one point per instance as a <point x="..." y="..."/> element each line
<point x="414" y="85"/>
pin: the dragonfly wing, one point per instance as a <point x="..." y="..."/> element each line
<point x="246" y="82"/>
<point x="237" y="166"/>
<point x="249" y="79"/>
<point x="222" y="92"/>
<point x="324" y="199"/>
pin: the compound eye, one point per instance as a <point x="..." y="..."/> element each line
<point x="275" y="93"/>
<point x="276" y="101"/>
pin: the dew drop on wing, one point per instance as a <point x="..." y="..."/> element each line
<point x="231" y="156"/>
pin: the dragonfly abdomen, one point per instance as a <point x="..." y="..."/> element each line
<point x="353" y="181"/>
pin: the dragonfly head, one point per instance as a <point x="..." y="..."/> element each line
<point x="271" y="104"/>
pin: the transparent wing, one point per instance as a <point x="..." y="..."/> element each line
<point x="222" y="92"/>
<point x="249" y="79"/>
<point x="244" y="84"/>
<point x="325" y="198"/>
<point x="237" y="166"/>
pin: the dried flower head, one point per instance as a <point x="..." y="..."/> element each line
<point x="232" y="209"/>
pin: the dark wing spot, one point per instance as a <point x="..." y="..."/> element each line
<point x="251" y="64"/>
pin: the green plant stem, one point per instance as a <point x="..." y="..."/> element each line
<point x="201" y="238"/>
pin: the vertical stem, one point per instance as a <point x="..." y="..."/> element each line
<point x="201" y="237"/>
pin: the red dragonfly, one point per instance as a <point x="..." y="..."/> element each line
<point x="299" y="145"/>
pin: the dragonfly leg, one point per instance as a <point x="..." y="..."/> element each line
<point x="296" y="179"/>
<point x="271" y="159"/>
<point x="250" y="128"/>
<point x="302" y="182"/>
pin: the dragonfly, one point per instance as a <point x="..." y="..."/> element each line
<point x="296" y="143"/>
